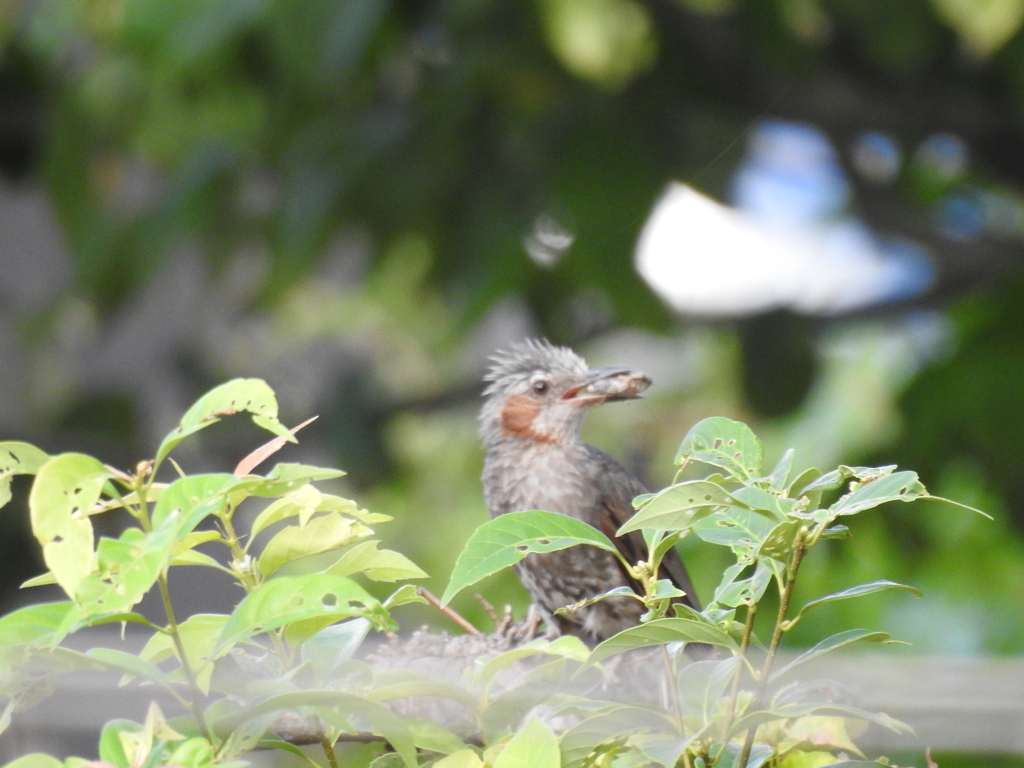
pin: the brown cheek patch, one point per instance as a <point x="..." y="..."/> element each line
<point x="517" y="418"/>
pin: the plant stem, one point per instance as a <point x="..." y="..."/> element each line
<point x="748" y="630"/>
<point x="799" y="550"/>
<point x="673" y="689"/>
<point x="328" y="750"/>
<point x="172" y="625"/>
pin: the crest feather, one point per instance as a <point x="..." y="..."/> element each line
<point x="524" y="358"/>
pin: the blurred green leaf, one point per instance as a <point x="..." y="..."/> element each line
<point x="533" y="746"/>
<point x="843" y="639"/>
<point x="332" y="646"/>
<point x="509" y="538"/>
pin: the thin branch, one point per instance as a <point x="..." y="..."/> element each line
<point x="431" y="598"/>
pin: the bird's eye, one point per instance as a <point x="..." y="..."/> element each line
<point x="540" y="387"/>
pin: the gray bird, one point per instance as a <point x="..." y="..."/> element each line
<point x="530" y="423"/>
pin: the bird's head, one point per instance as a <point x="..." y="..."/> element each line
<point x="537" y="391"/>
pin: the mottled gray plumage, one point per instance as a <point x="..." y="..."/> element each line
<point x="537" y="396"/>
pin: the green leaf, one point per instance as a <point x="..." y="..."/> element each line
<point x="192" y="499"/>
<point x="659" y="632"/>
<point x="882" y="585"/>
<point x="130" y="664"/>
<point x="126" y="569"/>
<point x="65" y="491"/>
<point x="899" y="486"/>
<point x="401" y="683"/>
<point x="35" y="760"/>
<point x="779" y="543"/>
<point x="745" y="591"/>
<point x="285" y="478"/>
<point x="566" y="647"/>
<point x="738" y="528"/>
<point x="405" y="594"/>
<point x="760" y="500"/>
<point x="845" y="639"/>
<point x="830" y="481"/>
<point x="507" y="539"/>
<point x="805" y="708"/>
<point x="320" y="534"/>
<point x="759" y="755"/>
<point x="702" y="685"/>
<point x="251" y="395"/>
<point x="780" y="474"/>
<point x="199" y="635"/>
<point x="678" y="507"/>
<point x="379" y="565"/>
<point x="305" y="502"/>
<point x="17" y="458"/>
<point x="335" y="707"/>
<point x="615" y="722"/>
<point x="35" y="624"/>
<point x="533" y="746"/>
<point x="288" y="599"/>
<point x="332" y="646"/>
<point x="464" y="758"/>
<point x="662" y="749"/>
<point x="726" y="444"/>
<point x="798" y="487"/>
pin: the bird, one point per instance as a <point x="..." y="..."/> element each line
<point x="536" y="397"/>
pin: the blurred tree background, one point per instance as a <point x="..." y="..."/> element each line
<point x="359" y="200"/>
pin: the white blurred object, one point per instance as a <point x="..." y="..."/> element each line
<point x="705" y="258"/>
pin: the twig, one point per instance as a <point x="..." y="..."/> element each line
<point x="490" y="610"/>
<point x="431" y="598"/>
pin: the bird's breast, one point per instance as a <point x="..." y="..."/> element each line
<point x="539" y="476"/>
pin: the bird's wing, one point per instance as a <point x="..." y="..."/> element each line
<point x="618" y="489"/>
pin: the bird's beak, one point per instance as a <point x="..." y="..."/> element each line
<point x="601" y="385"/>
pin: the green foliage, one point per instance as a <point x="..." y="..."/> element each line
<point x="290" y="644"/>
<point x="738" y="709"/>
<point x="313" y="621"/>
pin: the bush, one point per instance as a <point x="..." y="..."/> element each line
<point x="301" y="621"/>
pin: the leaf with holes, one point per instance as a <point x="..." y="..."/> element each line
<point x="253" y="396"/>
<point x="899" y="486"/>
<point x="678" y="507"/>
<point x="779" y="543"/>
<point x="288" y="599"/>
<point x="126" y="568"/>
<point x="507" y="539"/>
<point x="65" y="491"/>
<point x="17" y="458"/>
<point x="726" y="444"/>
